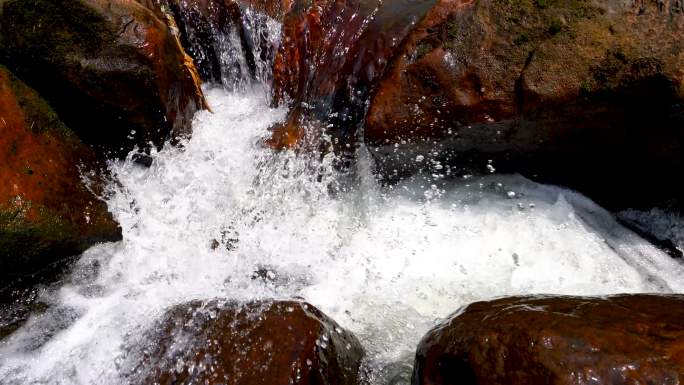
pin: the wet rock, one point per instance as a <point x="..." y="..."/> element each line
<point x="114" y="70"/>
<point x="584" y="93"/>
<point x="626" y="339"/>
<point x="213" y="33"/>
<point x="332" y="54"/>
<point x="282" y="342"/>
<point x="46" y="210"/>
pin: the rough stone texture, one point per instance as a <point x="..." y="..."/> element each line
<point x="113" y="69"/>
<point x="626" y="339"/>
<point x="332" y="53"/>
<point x="579" y="92"/>
<point x="282" y="342"/>
<point x="46" y="211"/>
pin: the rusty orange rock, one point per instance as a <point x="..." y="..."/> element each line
<point x="46" y="210"/>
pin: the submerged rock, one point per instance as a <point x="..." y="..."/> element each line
<point x="579" y="92"/>
<point x="113" y="69"/>
<point x="282" y="342"/>
<point x="46" y="210"/>
<point x="625" y="339"/>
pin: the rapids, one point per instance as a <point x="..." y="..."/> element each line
<point x="223" y="216"/>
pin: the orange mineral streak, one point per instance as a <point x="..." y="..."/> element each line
<point x="32" y="161"/>
<point x="286" y="135"/>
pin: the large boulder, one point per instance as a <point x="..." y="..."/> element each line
<point x="332" y="54"/>
<point x="46" y="210"/>
<point x="282" y="342"/>
<point x="618" y="340"/>
<point x="114" y="70"/>
<point x="578" y="92"/>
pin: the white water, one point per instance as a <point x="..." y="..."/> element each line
<point x="384" y="263"/>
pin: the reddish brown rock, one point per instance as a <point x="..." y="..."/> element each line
<point x="283" y="342"/>
<point x="332" y="53"/>
<point x="113" y="69"/>
<point x="579" y="92"/>
<point x="626" y="339"/>
<point x="46" y="211"/>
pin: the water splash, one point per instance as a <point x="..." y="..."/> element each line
<point x="222" y="216"/>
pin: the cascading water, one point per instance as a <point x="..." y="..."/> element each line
<point x="222" y="216"/>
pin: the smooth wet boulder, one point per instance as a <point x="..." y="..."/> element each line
<point x="332" y="54"/>
<point x="281" y="342"/>
<point x="114" y="70"/>
<point x="617" y="340"/>
<point x="46" y="210"/>
<point x="578" y="92"/>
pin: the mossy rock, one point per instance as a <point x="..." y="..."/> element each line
<point x="113" y="69"/>
<point x="46" y="211"/>
<point x="584" y="93"/>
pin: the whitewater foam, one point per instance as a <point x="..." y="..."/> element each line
<point x="223" y="216"/>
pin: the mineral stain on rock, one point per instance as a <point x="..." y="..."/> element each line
<point x="46" y="210"/>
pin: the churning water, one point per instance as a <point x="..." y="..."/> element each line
<point x="385" y="262"/>
<point x="222" y="216"/>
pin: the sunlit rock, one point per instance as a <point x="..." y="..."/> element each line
<point x="332" y="54"/>
<point x="113" y="69"/>
<point x="557" y="340"/>
<point x="584" y="93"/>
<point x="282" y="342"/>
<point x="46" y="210"/>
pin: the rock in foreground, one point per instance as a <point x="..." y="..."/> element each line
<point x="46" y="211"/>
<point x="255" y="343"/>
<point x="627" y="339"/>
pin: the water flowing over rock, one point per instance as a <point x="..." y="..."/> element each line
<point x="213" y="33"/>
<point x="332" y="53"/>
<point x="281" y="342"/>
<point x="46" y="210"/>
<point x="626" y="339"/>
<point x="584" y="93"/>
<point x="114" y="70"/>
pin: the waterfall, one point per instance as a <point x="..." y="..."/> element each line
<point x="385" y="261"/>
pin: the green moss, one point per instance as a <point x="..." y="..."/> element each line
<point x="40" y="117"/>
<point x="585" y="87"/>
<point x="544" y="4"/>
<point x="521" y="39"/>
<point x="20" y="235"/>
<point x="554" y="27"/>
<point x="453" y="30"/>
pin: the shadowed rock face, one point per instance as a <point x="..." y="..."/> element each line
<point x="212" y="31"/>
<point x="578" y="92"/>
<point x="46" y="211"/>
<point x="332" y="54"/>
<point x="256" y="343"/>
<point x="626" y="339"/>
<point x="113" y="69"/>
